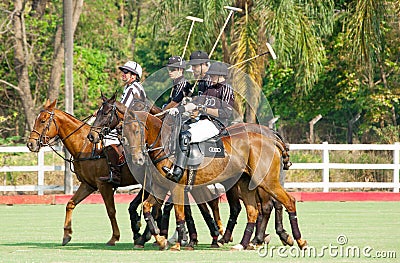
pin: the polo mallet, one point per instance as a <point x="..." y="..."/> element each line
<point x="194" y="19"/>
<point x="232" y="9"/>
<point x="270" y="51"/>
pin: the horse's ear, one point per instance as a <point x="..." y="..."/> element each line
<point x="53" y="104"/>
<point x="102" y="96"/>
<point x="113" y="97"/>
<point x="47" y="104"/>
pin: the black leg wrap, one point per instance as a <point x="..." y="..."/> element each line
<point x="248" y="232"/>
<point x="165" y="219"/>
<point x="294" y="225"/>
<point x="212" y="225"/>
<point x="154" y="230"/>
<point x="259" y="236"/>
<point x="180" y="227"/>
<point x="191" y="228"/>
<point x="229" y="229"/>
<point x="278" y="217"/>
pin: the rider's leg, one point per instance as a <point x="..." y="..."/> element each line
<point x="115" y="159"/>
<point x="181" y="157"/>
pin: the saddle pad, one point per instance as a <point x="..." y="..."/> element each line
<point x="214" y="149"/>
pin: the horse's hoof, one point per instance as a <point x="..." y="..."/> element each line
<point x="302" y="244"/>
<point x="189" y="248"/>
<point x="267" y="239"/>
<point x="237" y="247"/>
<point x="162" y="242"/>
<point x="138" y="246"/>
<point x="135" y="241"/>
<point x="66" y="240"/>
<point x="215" y="244"/>
<point x="252" y="246"/>
<point x="110" y="244"/>
<point x="176" y="247"/>
<point x="288" y="242"/>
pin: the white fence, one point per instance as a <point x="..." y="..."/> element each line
<point x="325" y="166"/>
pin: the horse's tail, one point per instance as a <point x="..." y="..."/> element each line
<point x="284" y="148"/>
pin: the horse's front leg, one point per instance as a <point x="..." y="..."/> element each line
<point x="249" y="200"/>
<point x="180" y="225"/>
<point x="178" y="198"/>
<point x="83" y="191"/>
<point x="148" y="217"/>
<point x="107" y="193"/>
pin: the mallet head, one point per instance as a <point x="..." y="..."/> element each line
<point x="233" y="8"/>
<point x="196" y="19"/>
<point x="271" y="50"/>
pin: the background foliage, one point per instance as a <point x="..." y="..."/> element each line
<point x="339" y="59"/>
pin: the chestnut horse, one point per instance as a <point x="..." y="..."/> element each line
<point x="109" y="117"/>
<point x="250" y="152"/>
<point x="88" y="164"/>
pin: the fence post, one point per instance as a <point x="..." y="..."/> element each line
<point x="396" y="170"/>
<point x="325" y="171"/>
<point x="40" y="178"/>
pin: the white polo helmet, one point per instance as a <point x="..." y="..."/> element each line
<point x="133" y="67"/>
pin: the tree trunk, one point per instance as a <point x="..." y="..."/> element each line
<point x="58" y="58"/>
<point x="21" y="63"/>
<point x="136" y="28"/>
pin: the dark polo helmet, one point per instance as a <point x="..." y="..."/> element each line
<point x="198" y="57"/>
<point x="218" y="68"/>
<point x="176" y="62"/>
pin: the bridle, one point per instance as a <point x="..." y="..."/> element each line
<point x="44" y="140"/>
<point x="144" y="146"/>
<point x="113" y="119"/>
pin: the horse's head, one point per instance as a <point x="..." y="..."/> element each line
<point x="134" y="138"/>
<point x="44" y="129"/>
<point x="108" y="117"/>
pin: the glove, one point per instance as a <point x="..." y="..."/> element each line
<point x="172" y="111"/>
<point x="190" y="107"/>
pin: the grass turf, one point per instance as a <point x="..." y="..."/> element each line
<point x="33" y="233"/>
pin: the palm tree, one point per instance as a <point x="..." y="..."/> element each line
<point x="294" y="27"/>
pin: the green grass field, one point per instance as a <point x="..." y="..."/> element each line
<point x="33" y="233"/>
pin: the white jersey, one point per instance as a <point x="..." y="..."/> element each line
<point x="132" y="91"/>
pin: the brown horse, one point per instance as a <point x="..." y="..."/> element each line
<point x="109" y="117"/>
<point x="88" y="164"/>
<point x="249" y="151"/>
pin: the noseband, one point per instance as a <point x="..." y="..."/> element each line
<point x="43" y="139"/>
<point x="114" y="117"/>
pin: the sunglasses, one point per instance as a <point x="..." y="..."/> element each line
<point x="125" y="71"/>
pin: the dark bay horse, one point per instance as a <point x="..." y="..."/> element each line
<point x="52" y="122"/>
<point x="112" y="112"/>
<point x="109" y="116"/>
<point x="250" y="152"/>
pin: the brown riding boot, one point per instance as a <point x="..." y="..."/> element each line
<point x="115" y="159"/>
<point x="114" y="176"/>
